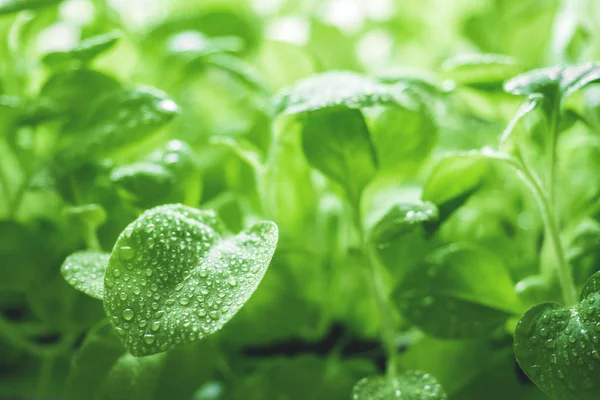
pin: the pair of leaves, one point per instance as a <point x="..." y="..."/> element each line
<point x="411" y="385"/>
<point x="174" y="276"/>
<point x="559" y="347"/>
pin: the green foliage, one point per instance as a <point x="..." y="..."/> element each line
<point x="411" y="385"/>
<point x="173" y="278"/>
<point x="557" y="346"/>
<point x="242" y="199"/>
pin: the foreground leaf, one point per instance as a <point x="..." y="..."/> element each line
<point x="411" y="385"/>
<point x="174" y="277"/>
<point x="462" y="292"/>
<point x="84" y="270"/>
<point x="337" y="89"/>
<point x="558" y="347"/>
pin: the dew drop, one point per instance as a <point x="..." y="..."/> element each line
<point x="149" y="338"/>
<point x="126" y="253"/>
<point x="128" y="314"/>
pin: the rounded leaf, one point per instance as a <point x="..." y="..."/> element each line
<point x="411" y="385"/>
<point x="559" y="347"/>
<point x="84" y="270"/>
<point x="174" y="276"/>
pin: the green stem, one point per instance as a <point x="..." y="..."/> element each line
<point x="565" y="278"/>
<point x="18" y="198"/>
<point x="91" y="238"/>
<point x="552" y="167"/>
<point x="46" y="367"/>
<point x="388" y="331"/>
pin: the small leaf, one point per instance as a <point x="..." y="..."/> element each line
<point x="337" y="89"/>
<point x="411" y="385"/>
<point x="174" y="276"/>
<point x="87" y="50"/>
<point x="144" y="182"/>
<point x="461" y="292"/>
<point x="400" y="219"/>
<point x="13" y="6"/>
<point x="124" y="117"/>
<point x="558" y="347"/>
<point x="454" y="175"/>
<point x="338" y="144"/>
<point x="92" y="215"/>
<point x="84" y="270"/>
<point x="481" y="70"/>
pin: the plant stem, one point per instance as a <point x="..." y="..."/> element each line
<point x="388" y="333"/>
<point x="565" y="278"/>
<point x="46" y="367"/>
<point x="552" y="167"/>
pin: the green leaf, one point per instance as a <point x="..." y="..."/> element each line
<point x="462" y="291"/>
<point x="120" y="119"/>
<point x="557" y="347"/>
<point x="337" y="89"/>
<point x="299" y="378"/>
<point x="13" y="6"/>
<point x="404" y="137"/>
<point x="240" y="70"/>
<point x="91" y="215"/>
<point x="72" y="92"/>
<point x="411" y="385"/>
<point x="481" y="70"/>
<point x="174" y="276"/>
<point x="524" y="123"/>
<point x="338" y="144"/>
<point x="133" y="378"/>
<point x="144" y="182"/>
<point x="84" y="270"/>
<point x="554" y="81"/>
<point x="400" y="219"/>
<point x="101" y="368"/>
<point x="93" y="361"/>
<point x="87" y="50"/>
<point x="454" y="175"/>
